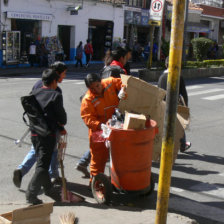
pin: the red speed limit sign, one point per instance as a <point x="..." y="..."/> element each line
<point x="156" y="10"/>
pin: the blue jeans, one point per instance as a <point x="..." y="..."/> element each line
<point x="85" y="159"/>
<point x="30" y="159"/>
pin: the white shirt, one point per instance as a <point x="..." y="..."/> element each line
<point x="32" y="49"/>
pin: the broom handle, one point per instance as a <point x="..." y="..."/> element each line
<point x="63" y="180"/>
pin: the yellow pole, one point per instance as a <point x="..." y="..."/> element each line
<point x="175" y="56"/>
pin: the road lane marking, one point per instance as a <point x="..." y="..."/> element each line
<point x="221" y="174"/>
<point x="176" y="189"/>
<point x="193" y="87"/>
<point x="217" y="78"/>
<point x="205" y="92"/>
<point x="216" y="97"/>
<point x="196" y="208"/>
<point x="209" y="189"/>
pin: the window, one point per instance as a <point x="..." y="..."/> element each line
<point x="135" y="3"/>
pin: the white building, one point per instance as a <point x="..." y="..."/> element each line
<point x="98" y="21"/>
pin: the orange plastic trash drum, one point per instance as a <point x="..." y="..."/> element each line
<point x="131" y="157"/>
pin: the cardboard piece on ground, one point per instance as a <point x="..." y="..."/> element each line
<point x="37" y="214"/>
<point x="134" y="121"/>
<point x="147" y="99"/>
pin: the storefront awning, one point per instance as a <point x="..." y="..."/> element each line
<point x="197" y="28"/>
<point x="26" y="15"/>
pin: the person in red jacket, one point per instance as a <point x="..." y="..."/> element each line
<point x="88" y="48"/>
<point x="115" y="63"/>
<point x="98" y="106"/>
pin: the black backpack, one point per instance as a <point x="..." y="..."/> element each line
<point x="111" y="70"/>
<point x="37" y="122"/>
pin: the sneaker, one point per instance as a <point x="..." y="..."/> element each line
<point x="34" y="200"/>
<point x="17" y="177"/>
<point x="56" y="180"/>
<point x="83" y="169"/>
<point x="186" y="147"/>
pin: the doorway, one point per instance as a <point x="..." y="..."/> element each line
<point x="64" y="35"/>
<point x="30" y="29"/>
<point x="101" y="35"/>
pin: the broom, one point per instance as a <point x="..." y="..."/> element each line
<point x="66" y="195"/>
<point x="68" y="218"/>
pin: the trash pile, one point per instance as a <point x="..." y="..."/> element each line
<point x="120" y="121"/>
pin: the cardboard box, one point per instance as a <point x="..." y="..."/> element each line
<point x="144" y="98"/>
<point x="38" y="214"/>
<point x="134" y="121"/>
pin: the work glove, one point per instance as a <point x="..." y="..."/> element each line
<point x="122" y="94"/>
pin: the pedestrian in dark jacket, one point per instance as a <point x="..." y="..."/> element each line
<point x="79" y="52"/>
<point x="51" y="103"/>
<point x="162" y="83"/>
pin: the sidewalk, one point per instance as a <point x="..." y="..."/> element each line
<point x="94" y="67"/>
<point x="89" y="213"/>
<point x="4" y="72"/>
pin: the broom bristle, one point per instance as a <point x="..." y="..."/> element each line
<point x="68" y="218"/>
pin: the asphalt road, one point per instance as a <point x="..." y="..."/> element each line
<point x="197" y="188"/>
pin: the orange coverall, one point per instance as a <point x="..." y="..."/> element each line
<point x="96" y="110"/>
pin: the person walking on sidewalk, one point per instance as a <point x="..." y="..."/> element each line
<point x="162" y="83"/>
<point x="30" y="158"/>
<point x="32" y="53"/>
<point x="88" y="48"/>
<point x="79" y="52"/>
<point x="51" y="103"/>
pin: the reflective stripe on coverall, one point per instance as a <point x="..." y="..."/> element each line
<point x="96" y="110"/>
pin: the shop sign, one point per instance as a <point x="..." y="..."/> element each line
<point x="136" y="16"/>
<point x="32" y="16"/>
<point x="156" y="10"/>
<point x="197" y="29"/>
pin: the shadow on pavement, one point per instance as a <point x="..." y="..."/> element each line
<point x="206" y="158"/>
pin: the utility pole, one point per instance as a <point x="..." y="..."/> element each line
<point x="166" y="161"/>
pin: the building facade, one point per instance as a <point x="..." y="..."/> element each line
<point x="60" y="25"/>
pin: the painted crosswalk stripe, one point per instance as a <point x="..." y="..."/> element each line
<point x="216" y="97"/>
<point x="205" y="92"/>
<point x="209" y="189"/>
<point x="217" y="78"/>
<point x="196" y="208"/>
<point x="193" y="87"/>
<point x="176" y="189"/>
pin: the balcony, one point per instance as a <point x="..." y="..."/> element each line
<point x="131" y="3"/>
<point x="213" y="3"/>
